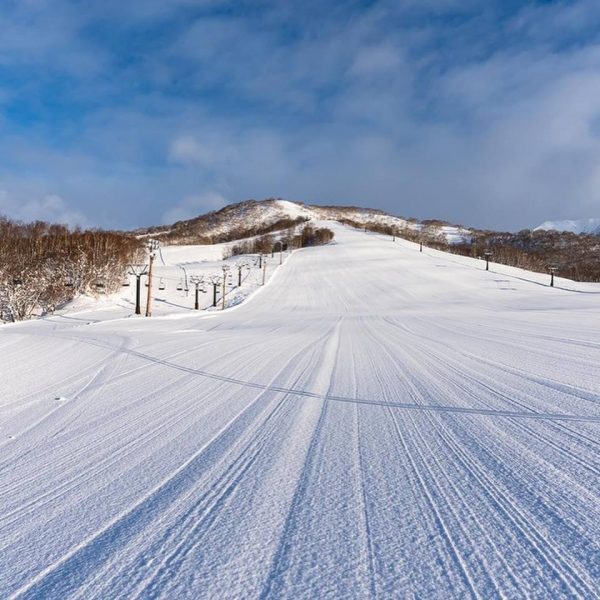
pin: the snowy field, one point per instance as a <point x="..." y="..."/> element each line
<point x="373" y="423"/>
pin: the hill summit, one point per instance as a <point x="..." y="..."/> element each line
<point x="256" y="217"/>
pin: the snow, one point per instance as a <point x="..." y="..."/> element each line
<point x="574" y="226"/>
<point x="243" y="215"/>
<point x="294" y="210"/>
<point x="455" y="234"/>
<point x="182" y="255"/>
<point x="374" y="422"/>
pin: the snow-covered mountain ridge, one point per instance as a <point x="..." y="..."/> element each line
<point x="574" y="226"/>
<point x="238" y="220"/>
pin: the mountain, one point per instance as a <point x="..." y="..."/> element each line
<point x="574" y="226"/>
<point x="255" y="217"/>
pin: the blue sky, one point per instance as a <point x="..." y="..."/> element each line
<point x="122" y="114"/>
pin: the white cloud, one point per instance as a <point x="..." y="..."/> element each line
<point x="51" y="208"/>
<point x="193" y="206"/>
<point x="186" y="150"/>
<point x="376" y="60"/>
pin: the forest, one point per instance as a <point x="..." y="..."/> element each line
<point x="290" y="238"/>
<point x="43" y="265"/>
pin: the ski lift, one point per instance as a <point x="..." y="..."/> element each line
<point x="161" y="284"/>
<point x="100" y="285"/>
<point x="17" y="281"/>
<point x="187" y="288"/>
<point x="180" y="286"/>
<point x="125" y="282"/>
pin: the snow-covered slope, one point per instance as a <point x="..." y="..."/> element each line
<point x="576" y="226"/>
<point x="374" y="423"/>
<point x="453" y="234"/>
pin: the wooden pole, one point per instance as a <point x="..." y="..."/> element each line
<point x="224" y="284"/>
<point x="149" y="298"/>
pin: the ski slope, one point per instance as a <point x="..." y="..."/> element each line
<point x="374" y="423"/>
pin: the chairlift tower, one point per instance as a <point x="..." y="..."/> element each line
<point x="197" y="282"/>
<point x="280" y="250"/>
<point x="215" y="280"/>
<point x="487" y="255"/>
<point x="240" y="266"/>
<point x="138" y="271"/>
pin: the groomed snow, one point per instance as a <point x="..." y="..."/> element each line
<point x="374" y="423"/>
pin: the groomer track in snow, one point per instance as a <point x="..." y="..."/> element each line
<point x="375" y="423"/>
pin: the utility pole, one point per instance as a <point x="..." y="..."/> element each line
<point x="225" y="271"/>
<point x="393" y="235"/>
<point x="152" y="248"/>
<point x="239" y="267"/>
<point x="138" y="271"/>
<point x="487" y="254"/>
<point x="264" y="271"/>
<point x="260" y="259"/>
<point x="552" y="269"/>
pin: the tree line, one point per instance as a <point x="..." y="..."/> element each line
<point x="289" y="238"/>
<point x="43" y="265"/>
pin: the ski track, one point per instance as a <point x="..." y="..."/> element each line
<point x="199" y="518"/>
<point x="375" y="423"/>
